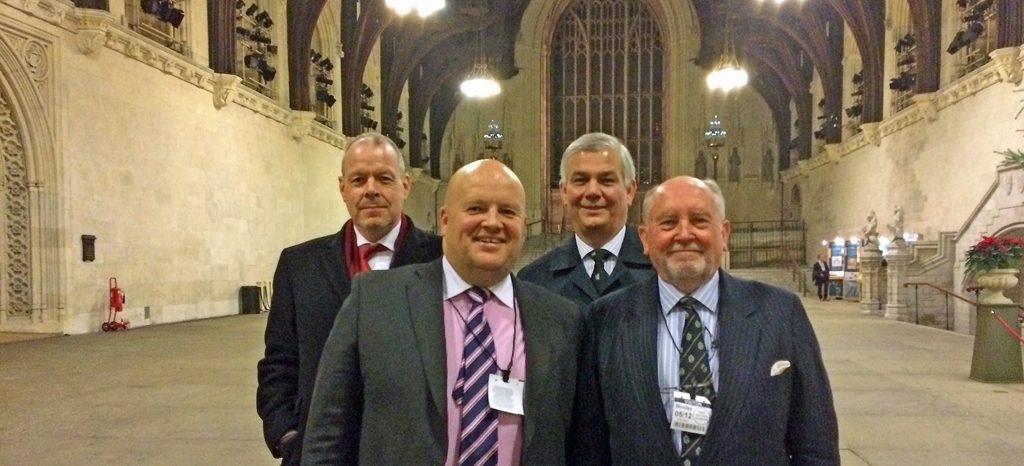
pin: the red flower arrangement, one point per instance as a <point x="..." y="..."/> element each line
<point x="995" y="253"/>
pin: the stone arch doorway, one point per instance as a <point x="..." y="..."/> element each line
<point x="31" y="297"/>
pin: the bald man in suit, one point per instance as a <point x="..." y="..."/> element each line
<point x="415" y="352"/>
<point x="695" y="366"/>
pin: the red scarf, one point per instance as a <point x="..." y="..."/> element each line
<point x="350" y="251"/>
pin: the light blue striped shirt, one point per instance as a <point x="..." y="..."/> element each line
<point x="671" y="327"/>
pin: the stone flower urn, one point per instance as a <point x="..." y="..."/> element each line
<point x="993" y="283"/>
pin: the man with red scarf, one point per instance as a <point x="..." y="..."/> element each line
<point x="312" y="281"/>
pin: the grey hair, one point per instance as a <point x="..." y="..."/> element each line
<point x="595" y="142"/>
<point x="712" y="185"/>
<point x="376" y="140"/>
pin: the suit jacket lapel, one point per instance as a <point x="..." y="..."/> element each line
<point x="538" y="339"/>
<point x="567" y="257"/>
<point x="645" y="352"/>
<point x="424" y="300"/>
<point x="738" y="339"/>
<point x="333" y="265"/>
<point x="630" y="255"/>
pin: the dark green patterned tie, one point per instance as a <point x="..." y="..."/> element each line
<point x="694" y="371"/>
<point x="599" y="275"/>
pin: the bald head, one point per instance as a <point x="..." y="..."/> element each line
<point x="482" y="221"/>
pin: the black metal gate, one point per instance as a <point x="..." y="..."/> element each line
<point x="766" y="244"/>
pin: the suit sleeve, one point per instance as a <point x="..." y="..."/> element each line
<point x="335" y="412"/>
<point x="812" y="433"/>
<point x="278" y="371"/>
<point x="588" y="437"/>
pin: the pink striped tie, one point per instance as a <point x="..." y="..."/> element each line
<point x="478" y="442"/>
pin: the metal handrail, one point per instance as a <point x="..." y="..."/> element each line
<point x="946" y="295"/>
<point x="949" y="293"/>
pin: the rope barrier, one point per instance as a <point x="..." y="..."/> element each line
<point x="1006" y="326"/>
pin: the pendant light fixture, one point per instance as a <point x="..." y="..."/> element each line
<point x="728" y="74"/>
<point x="479" y="84"/>
<point x="423" y="7"/>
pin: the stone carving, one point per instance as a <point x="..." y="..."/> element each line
<point x="34" y="55"/>
<point x="15" y="205"/>
<point x="1007" y="64"/>
<point x="872" y="134"/>
<point x="927" y="105"/>
<point x="225" y="87"/>
<point x="871" y="229"/>
<point x="91" y="41"/>
<point x="300" y="124"/>
<point x="896" y="227"/>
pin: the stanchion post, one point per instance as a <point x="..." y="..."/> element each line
<point x="997" y="354"/>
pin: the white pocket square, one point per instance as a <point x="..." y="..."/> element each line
<point x="779" y="367"/>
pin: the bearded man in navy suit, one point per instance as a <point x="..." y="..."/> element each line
<point x="695" y="366"/>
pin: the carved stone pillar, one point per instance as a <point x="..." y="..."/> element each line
<point x="898" y="258"/>
<point x="870" y="272"/>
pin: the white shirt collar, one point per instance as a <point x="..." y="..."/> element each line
<point x="706" y="294"/>
<point x="388" y="240"/>
<point x="454" y="285"/>
<point x="613" y="245"/>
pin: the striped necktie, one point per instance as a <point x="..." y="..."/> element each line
<point x="478" y="440"/>
<point x="694" y="371"/>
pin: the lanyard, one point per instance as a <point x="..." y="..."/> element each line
<point x="515" y="320"/>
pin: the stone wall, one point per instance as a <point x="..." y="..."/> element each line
<point x="191" y="186"/>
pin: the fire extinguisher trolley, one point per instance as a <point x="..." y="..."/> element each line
<point x="114" y="323"/>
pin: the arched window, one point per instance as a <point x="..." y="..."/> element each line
<point x="606" y="75"/>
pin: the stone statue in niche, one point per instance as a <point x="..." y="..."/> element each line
<point x="871" y="229"/>
<point x="768" y="166"/>
<point x="734" y="166"/>
<point x="896" y="227"/>
<point x="700" y="166"/>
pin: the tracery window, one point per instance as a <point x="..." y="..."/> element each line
<point x="606" y="75"/>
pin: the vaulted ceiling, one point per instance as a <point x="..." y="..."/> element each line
<point x="780" y="45"/>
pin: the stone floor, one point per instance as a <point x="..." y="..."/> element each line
<point x="184" y="394"/>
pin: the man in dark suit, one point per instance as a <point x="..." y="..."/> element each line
<point x="819" y="274"/>
<point x="312" y="280"/>
<point x="415" y="352"/>
<point x="598" y="183"/>
<point x="694" y="366"/>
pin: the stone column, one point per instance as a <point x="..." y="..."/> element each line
<point x="870" y="273"/>
<point x="898" y="258"/>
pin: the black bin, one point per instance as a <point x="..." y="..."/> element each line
<point x="249" y="300"/>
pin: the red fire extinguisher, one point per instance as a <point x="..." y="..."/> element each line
<point x="117" y="301"/>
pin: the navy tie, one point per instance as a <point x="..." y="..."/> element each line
<point x="694" y="371"/>
<point x="478" y="442"/>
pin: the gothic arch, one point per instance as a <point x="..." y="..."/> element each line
<point x="23" y="68"/>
